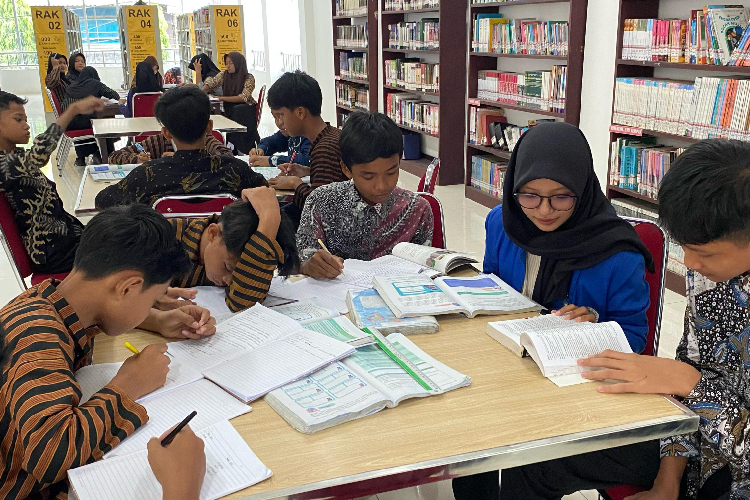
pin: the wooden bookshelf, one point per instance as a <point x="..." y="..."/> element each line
<point x="451" y="56"/>
<point x="371" y="50"/>
<point x="483" y="61"/>
<point x="739" y="70"/>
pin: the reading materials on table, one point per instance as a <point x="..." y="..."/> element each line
<point x="418" y="295"/>
<point x="440" y="259"/>
<point x="110" y="172"/>
<point x="367" y="309"/>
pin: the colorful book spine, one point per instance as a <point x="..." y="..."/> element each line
<point x="409" y="111"/>
<point x="418" y="35"/>
<point x="352" y="36"/>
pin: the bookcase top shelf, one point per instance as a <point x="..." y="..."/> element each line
<point x="685" y="66"/>
<point x="518" y="56"/>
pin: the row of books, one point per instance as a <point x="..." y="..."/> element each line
<point x="417" y="35"/>
<point x="496" y="34"/>
<point x="709" y="36"/>
<point x="483" y="123"/>
<point x="709" y="107"/>
<point x="640" y="164"/>
<point x="353" y="65"/>
<point x="352" y="35"/>
<point x="352" y="96"/>
<point x="412" y="74"/>
<point x="543" y="90"/>
<point x="351" y="7"/>
<point x="411" y="4"/>
<point x="488" y="174"/>
<point x="412" y="112"/>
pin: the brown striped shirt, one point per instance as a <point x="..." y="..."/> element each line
<point x="44" y="430"/>
<point x="325" y="164"/>
<point x="56" y="84"/>
<point x="251" y="278"/>
<point x="157" y="145"/>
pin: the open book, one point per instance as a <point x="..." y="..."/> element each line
<point x="230" y="466"/>
<point x="556" y="344"/>
<point x="418" y="295"/>
<point x="340" y="328"/>
<point x="440" y="259"/>
<point x="368" y="310"/>
<point x="110" y="172"/>
<point x="360" y="385"/>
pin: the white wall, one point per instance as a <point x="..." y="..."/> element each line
<point x="317" y="52"/>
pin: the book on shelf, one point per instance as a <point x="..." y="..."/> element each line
<point x="409" y="110"/>
<point x="368" y="310"/>
<point x="495" y="34"/>
<point x="354" y="35"/>
<point x="391" y="5"/>
<point x="412" y="74"/>
<point x="352" y="96"/>
<point x="488" y="174"/>
<point x="641" y="167"/>
<point x="556" y="344"/>
<point x="353" y="65"/>
<point x="615" y="158"/>
<point x="415" y="35"/>
<point x="479" y="124"/>
<point x="544" y="90"/>
<point x="351" y="7"/>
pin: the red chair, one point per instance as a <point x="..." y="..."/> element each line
<point x="16" y="251"/>
<point x="259" y="108"/>
<point x="429" y="179"/>
<point x="217" y="135"/>
<point x="656" y="241"/>
<point x="438" y="232"/>
<point x="143" y="104"/>
<point x="195" y="205"/>
<point x="70" y="137"/>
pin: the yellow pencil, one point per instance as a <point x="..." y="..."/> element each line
<point x="323" y="246"/>
<point x="131" y="348"/>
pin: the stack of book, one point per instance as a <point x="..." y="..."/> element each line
<point x="353" y="65"/>
<point x="709" y="36"/>
<point x="488" y="174"/>
<point x="351" y="7"/>
<point x="418" y="35"/>
<point x="483" y="123"/>
<point x="640" y="165"/>
<point x="352" y="96"/>
<point x="495" y="34"/>
<point x="352" y="36"/>
<point x="543" y="90"/>
<point x="409" y="110"/>
<point x="411" y="4"/>
<point x="412" y="74"/>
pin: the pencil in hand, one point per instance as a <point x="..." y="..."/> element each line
<point x="323" y="246"/>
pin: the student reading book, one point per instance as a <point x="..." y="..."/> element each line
<point x="558" y="240"/>
<point x="295" y="149"/>
<point x="126" y="259"/>
<point x="365" y="217"/>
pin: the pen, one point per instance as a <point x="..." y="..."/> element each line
<point x="170" y="437"/>
<point x="294" y="155"/>
<point x="140" y="147"/>
<point x="131" y="348"/>
<point x="323" y="246"/>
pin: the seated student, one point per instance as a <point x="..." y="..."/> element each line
<point x="158" y="146"/>
<point x="239" y="249"/>
<point x="77" y="63"/>
<point x="297" y="147"/>
<point x="296" y="99"/>
<point x="180" y="467"/>
<point x="87" y="84"/>
<point x="185" y="116"/>
<point x="365" y="217"/>
<point x="146" y="80"/>
<point x="704" y="205"/>
<point x="237" y="85"/>
<point x="207" y="69"/>
<point x="126" y="260"/>
<point x="56" y="81"/>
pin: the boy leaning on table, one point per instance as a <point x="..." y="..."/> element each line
<point x="704" y="204"/>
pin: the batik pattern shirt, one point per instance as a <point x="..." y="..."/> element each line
<point x="157" y="145"/>
<point x="716" y="341"/>
<point x="351" y="228"/>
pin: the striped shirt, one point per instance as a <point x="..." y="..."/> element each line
<point x="56" y="84"/>
<point x="44" y="430"/>
<point x="252" y="276"/>
<point x="157" y="145"/>
<point x="325" y="164"/>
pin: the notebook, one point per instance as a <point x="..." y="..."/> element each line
<point x="418" y="295"/>
<point x="368" y="310"/>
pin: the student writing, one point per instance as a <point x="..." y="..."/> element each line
<point x="293" y="147"/>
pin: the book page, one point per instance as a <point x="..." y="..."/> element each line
<point x="435" y="258"/>
<point x="93" y="378"/>
<point x="415" y="295"/>
<point x="379" y="370"/>
<point x="270" y="366"/>
<point x="360" y="273"/>
<point x="306" y="311"/>
<point x="328" y="293"/>
<point x="485" y="292"/>
<point x="515" y="327"/>
<point x="444" y="376"/>
<point x="213" y="298"/>
<point x="240" y="333"/>
<point x="211" y="402"/>
<point x="230" y="466"/>
<point x="339" y="328"/>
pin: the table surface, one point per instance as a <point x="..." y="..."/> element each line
<point x="119" y="127"/>
<point x="509" y="416"/>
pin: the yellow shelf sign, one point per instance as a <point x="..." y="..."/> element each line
<point x="49" y="29"/>
<point x="228" y="26"/>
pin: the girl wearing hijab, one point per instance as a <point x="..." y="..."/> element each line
<point x="56" y="81"/>
<point x="77" y="63"/>
<point x="146" y="80"/>
<point x="87" y="84"/>
<point x="154" y="65"/>
<point x="204" y="69"/>
<point x="237" y="85"/>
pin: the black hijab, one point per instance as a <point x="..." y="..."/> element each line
<point x="208" y="68"/>
<point x="72" y="73"/>
<point x="234" y="83"/>
<point x="145" y="78"/>
<point x="559" y="151"/>
<point x="85" y="85"/>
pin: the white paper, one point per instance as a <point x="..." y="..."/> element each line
<point x="485" y="292"/>
<point x="213" y="298"/>
<point x="109" y="176"/>
<point x="415" y="295"/>
<point x="328" y="293"/>
<point x="306" y="311"/>
<point x="360" y="273"/>
<point x="436" y="258"/>
<point x="515" y="327"/>
<point x="230" y="466"/>
<point x="339" y="328"/>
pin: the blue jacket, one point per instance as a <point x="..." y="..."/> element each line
<point x="615" y="288"/>
<point x="278" y="142"/>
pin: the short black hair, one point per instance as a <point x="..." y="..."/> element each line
<point x="239" y="221"/>
<point x="131" y="237"/>
<point x="6" y="98"/>
<point x="705" y="195"/>
<point x="296" y="89"/>
<point x="369" y="136"/>
<point x="185" y="112"/>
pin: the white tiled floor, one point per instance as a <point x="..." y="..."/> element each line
<point x="464" y="223"/>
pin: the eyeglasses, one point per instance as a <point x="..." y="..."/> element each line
<point x="559" y="202"/>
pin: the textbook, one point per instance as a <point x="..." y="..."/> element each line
<point x="341" y="329"/>
<point x="101" y="173"/>
<point x="440" y="259"/>
<point x="418" y="295"/>
<point x="306" y="311"/>
<point x="362" y="384"/>
<point x="367" y="309"/>
<point x="230" y="466"/>
<point x="556" y="344"/>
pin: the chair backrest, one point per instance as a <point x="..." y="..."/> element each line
<point x="438" y="232"/>
<point x="13" y="243"/>
<point x="53" y="102"/>
<point x="259" y="110"/>
<point x="196" y="205"/>
<point x="217" y="135"/>
<point x="429" y="179"/>
<point x="655" y="239"/>
<point x="143" y="103"/>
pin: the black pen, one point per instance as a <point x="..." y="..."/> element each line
<point x="170" y="437"/>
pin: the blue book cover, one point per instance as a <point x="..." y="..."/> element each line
<point x="367" y="309"/>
